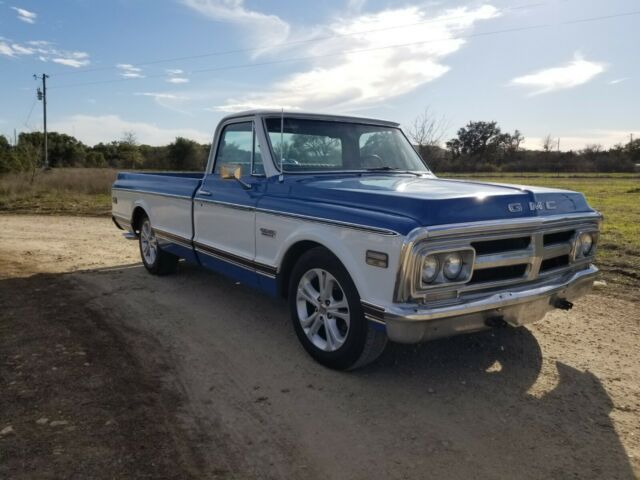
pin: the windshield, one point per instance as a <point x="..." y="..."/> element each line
<point x="320" y="145"/>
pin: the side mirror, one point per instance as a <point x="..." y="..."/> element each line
<point x="233" y="172"/>
<point x="230" y="172"/>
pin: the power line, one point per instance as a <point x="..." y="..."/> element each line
<point x="364" y="50"/>
<point x="284" y="44"/>
<point x="26" y="121"/>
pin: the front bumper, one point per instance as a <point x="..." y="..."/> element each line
<point x="411" y="323"/>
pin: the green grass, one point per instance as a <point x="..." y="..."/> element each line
<point x="69" y="191"/>
<point x="617" y="197"/>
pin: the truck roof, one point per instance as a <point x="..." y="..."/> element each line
<point x="310" y="116"/>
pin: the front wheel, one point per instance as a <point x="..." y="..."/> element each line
<point x="155" y="260"/>
<point x="327" y="314"/>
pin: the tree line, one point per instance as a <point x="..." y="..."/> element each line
<point x="126" y="153"/>
<point x="484" y="147"/>
<point x="477" y="147"/>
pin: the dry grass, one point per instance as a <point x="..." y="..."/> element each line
<point x="75" y="191"/>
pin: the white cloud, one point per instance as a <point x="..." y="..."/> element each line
<point x="129" y="71"/>
<point x="577" y="72"/>
<point x="579" y="140"/>
<point x="170" y="100"/>
<point x="25" y="15"/>
<point x="160" y="95"/>
<point x="618" y="80"/>
<point x="45" y="51"/>
<point x="106" y="128"/>
<point x="177" y="80"/>
<point x="264" y="28"/>
<point x="369" y="71"/>
<point x="176" y="76"/>
<point x="74" y="59"/>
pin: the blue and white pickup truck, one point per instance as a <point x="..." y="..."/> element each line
<point x="341" y="217"/>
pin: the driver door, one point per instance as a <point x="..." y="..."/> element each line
<point x="224" y="209"/>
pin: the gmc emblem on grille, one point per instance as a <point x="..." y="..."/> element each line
<point x="533" y="206"/>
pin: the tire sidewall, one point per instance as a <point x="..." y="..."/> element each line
<point x="350" y="351"/>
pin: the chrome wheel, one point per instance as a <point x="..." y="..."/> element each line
<point x="148" y="243"/>
<point x="323" y="310"/>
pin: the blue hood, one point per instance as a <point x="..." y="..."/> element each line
<point x="403" y="202"/>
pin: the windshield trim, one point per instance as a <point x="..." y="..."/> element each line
<point x="281" y="171"/>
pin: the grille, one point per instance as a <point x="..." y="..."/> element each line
<point x="510" y="259"/>
<point x="558" y="237"/>
<point x="498" y="273"/>
<point x="553" y="263"/>
<point x="501" y="245"/>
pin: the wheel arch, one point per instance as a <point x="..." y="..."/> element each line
<point x="138" y="214"/>
<point x="289" y="260"/>
<point x="295" y="251"/>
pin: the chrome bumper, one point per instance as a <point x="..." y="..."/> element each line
<point x="411" y="323"/>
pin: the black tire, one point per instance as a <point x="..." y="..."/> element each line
<point x="362" y="343"/>
<point x="162" y="263"/>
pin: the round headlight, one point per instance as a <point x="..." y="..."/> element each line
<point x="585" y="244"/>
<point x="430" y="268"/>
<point x="452" y="265"/>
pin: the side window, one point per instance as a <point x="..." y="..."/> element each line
<point x="235" y="147"/>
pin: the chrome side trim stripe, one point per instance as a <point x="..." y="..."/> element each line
<point x="326" y="221"/>
<point x="149" y="192"/>
<point x="261" y="268"/>
<point x="235" y="206"/>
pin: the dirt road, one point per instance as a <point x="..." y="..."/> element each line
<point x="560" y="400"/>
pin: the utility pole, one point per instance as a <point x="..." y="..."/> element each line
<point x="42" y="95"/>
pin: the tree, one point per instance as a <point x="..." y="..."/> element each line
<point x="548" y="143"/>
<point x="129" y="138"/>
<point x="474" y="139"/>
<point x="128" y="154"/>
<point x="185" y="154"/>
<point x="427" y="130"/>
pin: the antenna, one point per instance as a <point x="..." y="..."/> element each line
<point x="281" y="178"/>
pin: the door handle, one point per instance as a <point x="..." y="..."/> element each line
<point x="206" y="193"/>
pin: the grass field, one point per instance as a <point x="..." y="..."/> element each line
<point x="69" y="191"/>
<point x="87" y="192"/>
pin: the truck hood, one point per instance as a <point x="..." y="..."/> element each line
<point x="403" y="202"/>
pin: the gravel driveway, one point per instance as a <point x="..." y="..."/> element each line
<point x="241" y="399"/>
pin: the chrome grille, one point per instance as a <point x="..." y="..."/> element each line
<point x="507" y="253"/>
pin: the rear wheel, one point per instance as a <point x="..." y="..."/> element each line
<point x="327" y="314"/>
<point x="155" y="260"/>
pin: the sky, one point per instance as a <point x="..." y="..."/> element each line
<point x="167" y="68"/>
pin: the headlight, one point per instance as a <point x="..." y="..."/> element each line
<point x="430" y="268"/>
<point x="585" y="244"/>
<point x="440" y="268"/>
<point x="452" y="265"/>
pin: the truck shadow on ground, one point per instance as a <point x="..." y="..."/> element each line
<point x="484" y="399"/>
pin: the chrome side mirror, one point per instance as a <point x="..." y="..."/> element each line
<point x="233" y="172"/>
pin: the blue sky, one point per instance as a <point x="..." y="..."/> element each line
<point x="119" y="65"/>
